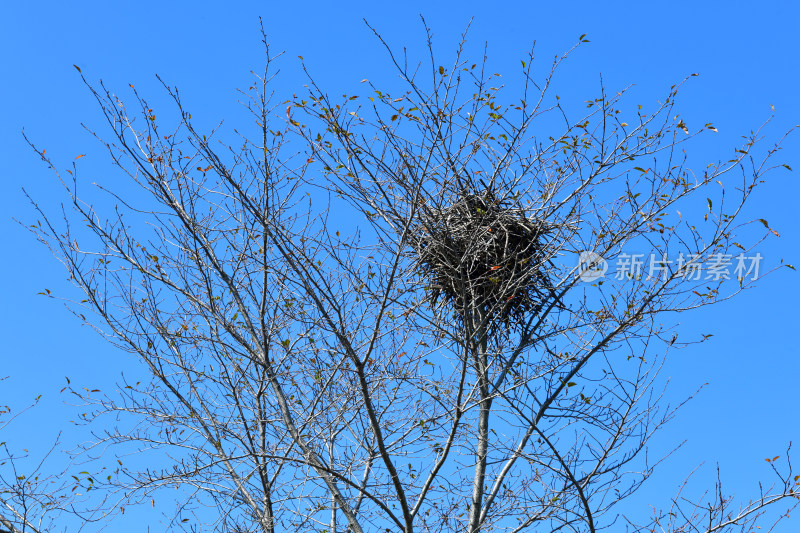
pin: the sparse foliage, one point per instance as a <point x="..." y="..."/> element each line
<point x="442" y="366"/>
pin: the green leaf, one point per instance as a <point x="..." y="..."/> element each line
<point x="441" y="70"/>
<point x="766" y="224"/>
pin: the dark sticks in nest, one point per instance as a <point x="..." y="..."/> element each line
<point x="484" y="255"/>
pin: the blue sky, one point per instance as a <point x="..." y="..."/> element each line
<point x="745" y="52"/>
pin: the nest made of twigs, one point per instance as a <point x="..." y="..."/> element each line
<point x="483" y="255"/>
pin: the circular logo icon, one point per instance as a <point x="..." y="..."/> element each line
<point x="591" y="266"/>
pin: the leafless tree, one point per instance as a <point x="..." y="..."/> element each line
<point x="371" y="314"/>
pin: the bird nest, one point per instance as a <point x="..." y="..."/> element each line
<point x="482" y="255"/>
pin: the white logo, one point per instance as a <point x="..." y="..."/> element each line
<point x="591" y="266"/>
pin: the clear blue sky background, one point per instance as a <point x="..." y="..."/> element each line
<point x="746" y="53"/>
